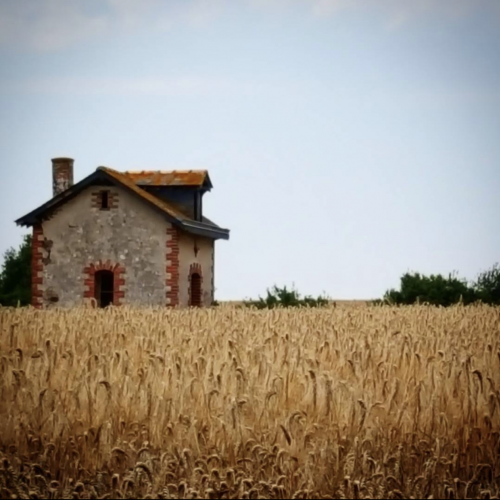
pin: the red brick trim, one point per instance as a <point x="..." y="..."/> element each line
<point x="118" y="275"/>
<point x="97" y="199"/>
<point x="212" y="295"/>
<point x="172" y="266"/>
<point x="37" y="266"/>
<point x="195" y="269"/>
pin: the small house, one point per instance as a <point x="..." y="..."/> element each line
<point x="137" y="238"/>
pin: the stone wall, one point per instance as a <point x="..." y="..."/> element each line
<point x="130" y="236"/>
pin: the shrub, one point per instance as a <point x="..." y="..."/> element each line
<point x="285" y="297"/>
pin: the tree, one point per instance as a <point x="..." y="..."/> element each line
<point x="487" y="286"/>
<point x="434" y="289"/>
<point x="15" y="277"/>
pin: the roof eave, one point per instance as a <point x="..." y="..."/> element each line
<point x="201" y="229"/>
<point x="33" y="217"/>
<point x="208" y="183"/>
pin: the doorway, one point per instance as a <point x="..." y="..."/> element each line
<point x="195" y="290"/>
<point x="104" y="288"/>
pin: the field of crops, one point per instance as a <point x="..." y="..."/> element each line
<point x="370" y="402"/>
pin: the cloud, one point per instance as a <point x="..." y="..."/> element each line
<point x="395" y="12"/>
<point x="151" y="86"/>
<point x="399" y="12"/>
<point x="47" y="24"/>
<point x="327" y="7"/>
<point x="57" y="24"/>
<point x="133" y="14"/>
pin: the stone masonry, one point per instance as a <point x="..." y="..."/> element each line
<point x="152" y="257"/>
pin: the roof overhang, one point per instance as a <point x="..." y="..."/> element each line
<point x="207" y="230"/>
<point x="36" y="215"/>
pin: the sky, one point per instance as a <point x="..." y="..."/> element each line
<point x="348" y="141"/>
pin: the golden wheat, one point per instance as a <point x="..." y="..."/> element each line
<point x="371" y="402"/>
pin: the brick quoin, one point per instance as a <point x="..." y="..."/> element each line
<point x="37" y="267"/>
<point x="172" y="267"/>
<point x="118" y="280"/>
<point x="195" y="269"/>
<point x="212" y="295"/>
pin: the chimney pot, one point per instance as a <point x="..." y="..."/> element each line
<point x="62" y="174"/>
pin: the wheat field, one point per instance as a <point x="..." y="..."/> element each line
<point x="372" y="402"/>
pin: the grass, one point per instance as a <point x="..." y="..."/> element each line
<point x="363" y="402"/>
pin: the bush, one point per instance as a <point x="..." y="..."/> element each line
<point x="434" y="289"/>
<point x="284" y="297"/>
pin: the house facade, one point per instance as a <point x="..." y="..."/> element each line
<point x="137" y="238"/>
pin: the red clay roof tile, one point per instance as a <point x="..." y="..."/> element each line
<point x="173" y="178"/>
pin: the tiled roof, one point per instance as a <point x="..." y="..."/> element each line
<point x="173" y="178"/>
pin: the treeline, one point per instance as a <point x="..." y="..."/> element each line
<point x="415" y="288"/>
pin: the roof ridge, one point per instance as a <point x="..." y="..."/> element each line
<point x="167" y="171"/>
<point x="198" y="178"/>
<point x="103" y="168"/>
<point x="138" y="172"/>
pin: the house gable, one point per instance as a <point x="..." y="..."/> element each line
<point x="105" y="176"/>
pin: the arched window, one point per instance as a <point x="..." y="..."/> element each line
<point x="104" y="288"/>
<point x="195" y="299"/>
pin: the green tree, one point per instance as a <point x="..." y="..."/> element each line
<point x="487" y="286"/>
<point x="435" y="289"/>
<point x="15" y="277"/>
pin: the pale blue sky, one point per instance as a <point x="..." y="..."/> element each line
<point x="348" y="140"/>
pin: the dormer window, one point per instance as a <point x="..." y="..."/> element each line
<point x="198" y="209"/>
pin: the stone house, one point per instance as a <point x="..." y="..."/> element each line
<point x="118" y="238"/>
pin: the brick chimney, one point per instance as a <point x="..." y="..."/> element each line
<point x="62" y="174"/>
